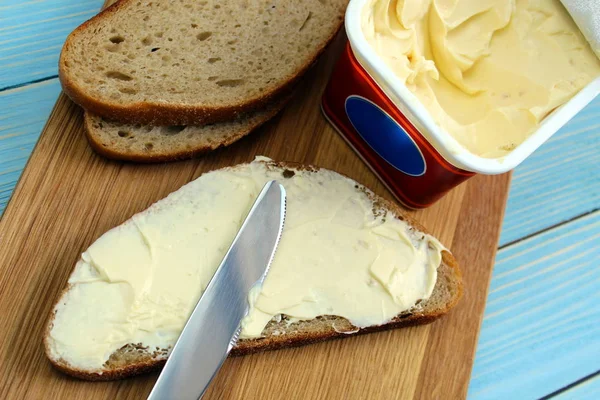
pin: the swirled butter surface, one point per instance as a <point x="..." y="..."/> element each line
<point x="338" y="255"/>
<point x="488" y="71"/>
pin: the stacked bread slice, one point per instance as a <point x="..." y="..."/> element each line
<point x="162" y="80"/>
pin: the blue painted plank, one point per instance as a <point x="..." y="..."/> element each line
<point x="32" y="34"/>
<point x="588" y="390"/>
<point x="540" y="330"/>
<point x="559" y="181"/>
<point x="23" y="113"/>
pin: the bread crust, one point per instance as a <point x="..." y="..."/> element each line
<point x="249" y="346"/>
<point x="175" y="155"/>
<point x="153" y="113"/>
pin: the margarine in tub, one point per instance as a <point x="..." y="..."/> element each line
<point x="487" y="71"/>
<point x="470" y="85"/>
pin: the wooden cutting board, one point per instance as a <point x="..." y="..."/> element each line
<point x="68" y="196"/>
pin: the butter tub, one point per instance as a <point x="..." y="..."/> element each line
<point x="394" y="134"/>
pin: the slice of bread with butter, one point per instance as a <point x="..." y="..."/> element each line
<point x="349" y="262"/>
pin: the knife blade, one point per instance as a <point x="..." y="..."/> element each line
<point x="214" y="325"/>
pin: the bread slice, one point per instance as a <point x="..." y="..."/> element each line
<point x="193" y="62"/>
<point x="146" y="143"/>
<point x="132" y="359"/>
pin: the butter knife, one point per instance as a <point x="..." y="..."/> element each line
<point x="214" y="325"/>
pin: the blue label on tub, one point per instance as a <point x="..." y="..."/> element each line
<point x="385" y="136"/>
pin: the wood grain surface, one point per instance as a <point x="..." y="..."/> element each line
<point x="68" y="196"/>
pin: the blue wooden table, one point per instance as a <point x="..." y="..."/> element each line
<point x="541" y="331"/>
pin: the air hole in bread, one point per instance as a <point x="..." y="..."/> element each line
<point x="173" y="130"/>
<point x="194" y="25"/>
<point x="213" y="78"/>
<point x="146" y="18"/>
<point x="118" y="75"/>
<point x="213" y="60"/>
<point x="128" y="90"/>
<point x="202" y="36"/>
<point x="123" y="134"/>
<point x="117" y="39"/>
<point x="287" y="173"/>
<point x="154" y="49"/>
<point x="147" y="41"/>
<point x="159" y="34"/>
<point x="149" y="146"/>
<point x="230" y="82"/>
